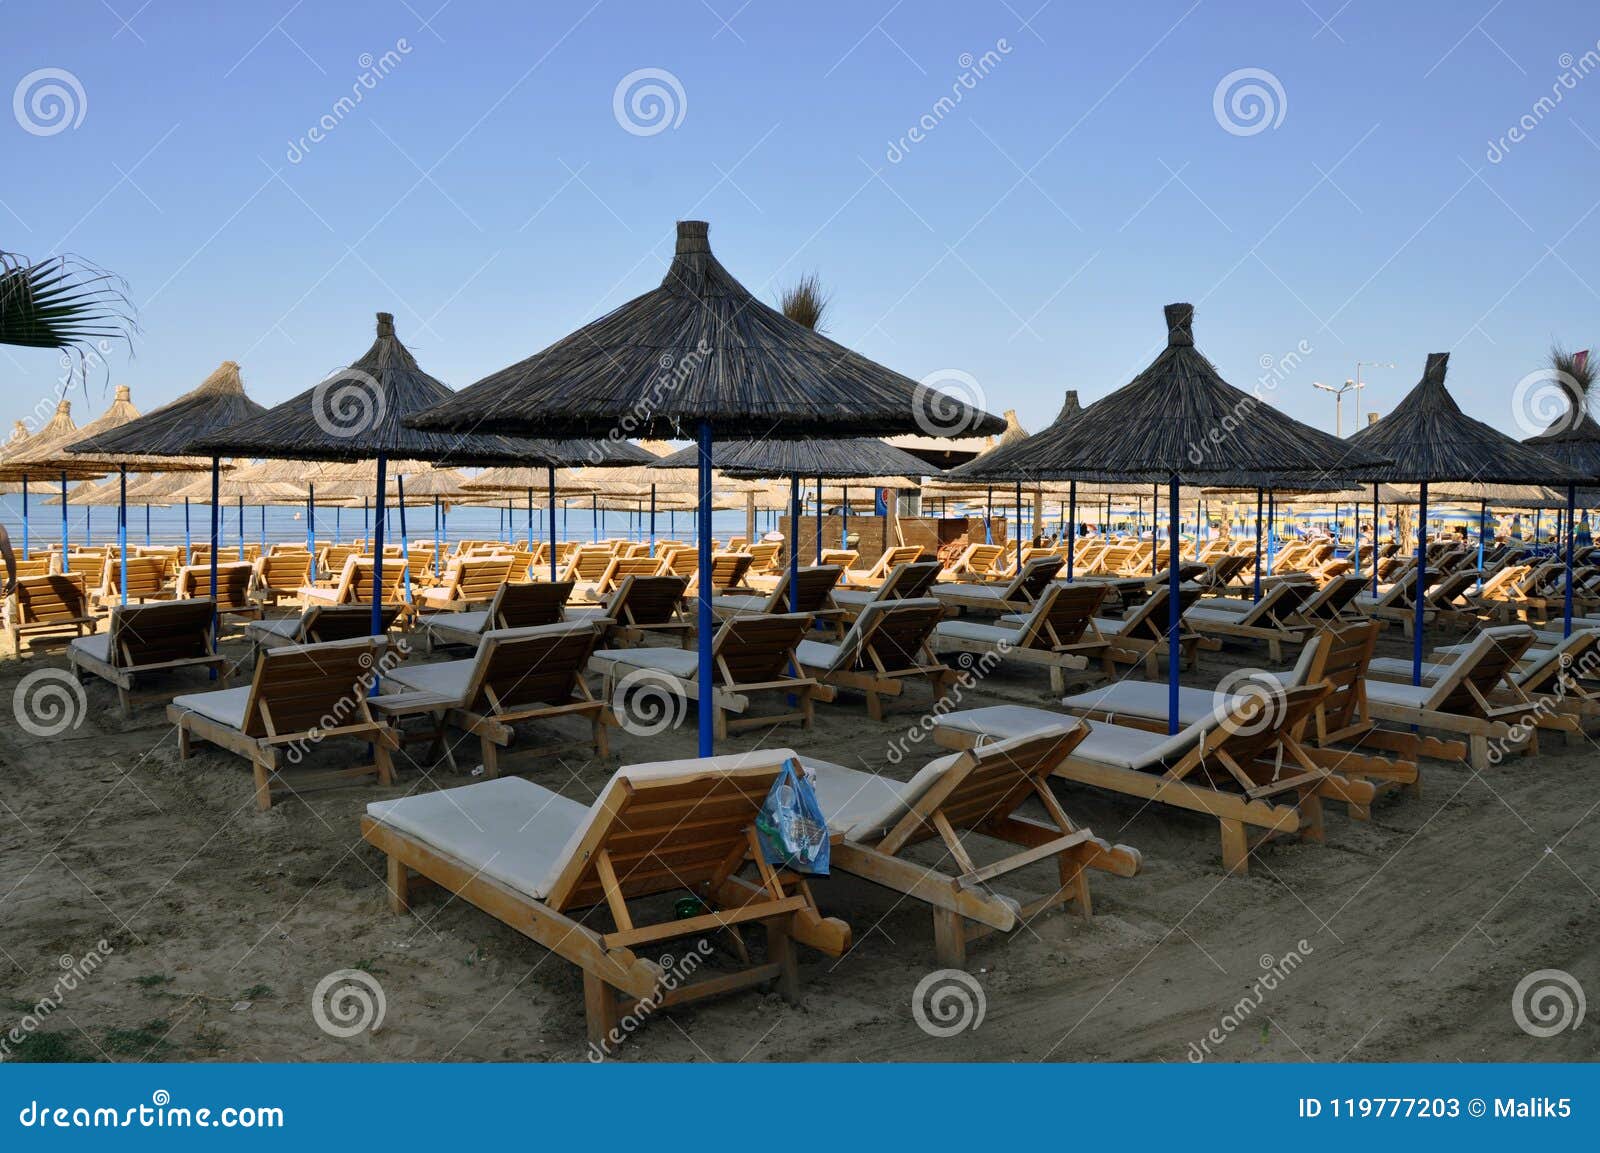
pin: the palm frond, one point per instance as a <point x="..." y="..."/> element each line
<point x="1575" y="370"/>
<point x="804" y="302"/>
<point x="61" y="302"/>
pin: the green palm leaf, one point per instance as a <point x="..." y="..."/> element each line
<point x="61" y="302"/>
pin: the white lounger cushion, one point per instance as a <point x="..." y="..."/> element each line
<point x="675" y="662"/>
<point x="961" y="630"/>
<point x="1106" y="743"/>
<point x="854" y="598"/>
<point x="522" y="834"/>
<point x="473" y="622"/>
<point x="96" y="646"/>
<point x="818" y="655"/>
<point x="286" y="627"/>
<point x="225" y="706"/>
<point x="447" y="678"/>
<point x="1235" y="605"/>
<point x="994" y="592"/>
<point x="1405" y="696"/>
<point x="741" y="602"/>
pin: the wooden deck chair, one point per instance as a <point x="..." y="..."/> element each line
<point x="1240" y="763"/>
<point x="1058" y="632"/>
<point x="1333" y="603"/>
<point x="1459" y="699"/>
<point x="963" y="800"/>
<point x="355" y="584"/>
<point x="1141" y="635"/>
<point x="766" y="557"/>
<point x="281" y="574"/>
<point x="147" y="581"/>
<point x="886" y="645"/>
<point x="35" y="566"/>
<point x="318" y="624"/>
<point x="1222" y="571"/>
<point x="48" y="606"/>
<point x="641" y="607"/>
<point x="619" y="570"/>
<point x="299" y="696"/>
<point x="516" y="605"/>
<point x="587" y="564"/>
<point x="148" y="638"/>
<point x="975" y="562"/>
<point x="516" y="675"/>
<point x="753" y="654"/>
<point x="331" y="561"/>
<point x="538" y="861"/>
<point x="845" y="558"/>
<point x="906" y="581"/>
<point x="467" y="584"/>
<point x="232" y="593"/>
<point x="1449" y="598"/>
<point x="815" y="595"/>
<point x="1272" y="619"/>
<point x="1015" y="595"/>
<point x="171" y="557"/>
<point x="892" y="558"/>
<point x="682" y="560"/>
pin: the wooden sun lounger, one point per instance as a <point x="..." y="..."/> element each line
<point x="48" y="606"/>
<point x="639" y="608"/>
<point x="752" y="654"/>
<point x="516" y="605"/>
<point x="536" y="861"/>
<point x="1141" y="635"/>
<point x="516" y="675"/>
<point x="319" y="624"/>
<point x="977" y="791"/>
<point x="467" y="584"/>
<point x="892" y="558"/>
<point x="147" y="581"/>
<point x="815" y="595"/>
<point x="1240" y="763"/>
<point x="905" y="581"/>
<point x="232" y="593"/>
<point x="885" y="646"/>
<point x="1059" y="632"/>
<point x="1016" y="595"/>
<point x="145" y="639"/>
<point x="619" y="570"/>
<point x="299" y="696"/>
<point x="976" y="561"/>
<point x="281" y="574"/>
<point x="1271" y="619"/>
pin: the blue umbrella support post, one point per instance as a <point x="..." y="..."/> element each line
<point x="1174" y="615"/>
<point x="704" y="672"/>
<point x="311" y="527"/>
<point x="1072" y="525"/>
<point x="819" y="518"/>
<point x="216" y="535"/>
<point x="1375" y="522"/>
<point x="1258" y="545"/>
<point x="652" y="518"/>
<point x="405" y="543"/>
<point x="377" y="553"/>
<point x="794" y="543"/>
<point x="25" y="517"/>
<point x="1483" y="527"/>
<point x="550" y="474"/>
<point x="263" y="509"/>
<point x="1420" y="585"/>
<point x="122" y="532"/>
<point x="844" y="532"/>
<point x="241" y="526"/>
<point x="65" y="551"/>
<point x="1572" y="508"/>
<point x="147" y="524"/>
<point x="530" y="520"/>
<point x="438" y="542"/>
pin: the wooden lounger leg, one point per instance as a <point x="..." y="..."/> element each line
<point x="781" y="952"/>
<point x="599" y="1010"/>
<point x="949" y="939"/>
<point x="1075" y="884"/>
<point x="385" y="764"/>
<point x="491" y="758"/>
<point x="1478" y="752"/>
<point x="399" y="886"/>
<point x="185" y="747"/>
<point x="262" y="772"/>
<point x="1311" y="826"/>
<point x="1235" y="847"/>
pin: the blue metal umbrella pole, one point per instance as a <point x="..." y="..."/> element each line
<point x="241" y="526"/>
<point x="405" y="543"/>
<point x="263" y="509"/>
<point x="65" y="566"/>
<point x="819" y="518"/>
<point x="844" y="532"/>
<point x="1072" y="525"/>
<point x="551" y="474"/>
<point x="146" y="524"/>
<point x="1483" y="525"/>
<point x="704" y="671"/>
<point x="594" y="517"/>
<point x="1376" y="513"/>
<point x="311" y="527"/>
<point x="1174" y="616"/>
<point x="530" y="520"/>
<point x="122" y="529"/>
<point x="1258" y="545"/>
<point x="24" y="517"/>
<point x="377" y="549"/>
<point x="1417" y="589"/>
<point x="794" y="543"/>
<point x="652" y="518"/>
<point x="216" y="533"/>
<point x="1572" y="508"/>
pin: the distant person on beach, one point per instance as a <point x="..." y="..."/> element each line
<point x="11" y="562"/>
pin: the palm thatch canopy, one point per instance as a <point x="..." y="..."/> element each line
<point x="834" y="459"/>
<point x="1177" y="418"/>
<point x="218" y="403"/>
<point x="359" y="412"/>
<point x="235" y="488"/>
<point x="40" y="455"/>
<point x="1427" y="438"/>
<point x="699" y="348"/>
<point x="948" y="452"/>
<point x="515" y="481"/>
<point x="1575" y="444"/>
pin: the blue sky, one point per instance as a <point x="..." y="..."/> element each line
<point x="485" y="191"/>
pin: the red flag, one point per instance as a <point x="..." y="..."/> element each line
<point x="1580" y="359"/>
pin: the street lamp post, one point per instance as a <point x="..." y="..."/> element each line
<point x="1338" y="401"/>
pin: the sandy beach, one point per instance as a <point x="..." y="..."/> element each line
<point x="1406" y="934"/>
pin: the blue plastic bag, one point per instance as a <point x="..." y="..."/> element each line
<point x="790" y="826"/>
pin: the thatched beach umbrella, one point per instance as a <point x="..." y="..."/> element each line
<point x="1428" y="439"/>
<point x="40" y="456"/>
<point x="697" y="354"/>
<point x="1177" y="421"/>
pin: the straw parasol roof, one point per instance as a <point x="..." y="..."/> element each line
<point x="218" y="402"/>
<point x="860" y="457"/>
<point x="232" y="487"/>
<point x="944" y="453"/>
<point x="36" y="456"/>
<point x="1177" y="418"/>
<point x="358" y="412"/>
<point x="514" y="481"/>
<point x="1575" y="444"/>
<point x="698" y="348"/>
<point x="1427" y="438"/>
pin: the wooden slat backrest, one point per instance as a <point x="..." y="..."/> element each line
<point x="165" y="631"/>
<point x="233" y="583"/>
<point x="841" y="557"/>
<point x="395" y="578"/>
<point x="302" y="687"/>
<point x="897" y="633"/>
<point x="652" y="600"/>
<point x="55" y="597"/>
<point x="335" y="556"/>
<point x="1341" y="664"/>
<point x="528" y="604"/>
<point x="324" y="623"/>
<point x="146" y="576"/>
<point x="1257" y="723"/>
<point x="285" y="570"/>
<point x="1150" y="619"/>
<point x="588" y="563"/>
<point x="1486" y="675"/>
<point x="758" y="648"/>
<point x="1071" y="609"/>
<point x="1036" y="575"/>
<point x="814" y="588"/>
<point x="664" y="834"/>
<point x="33" y="567"/>
<point x="728" y="569"/>
<point x="764" y="555"/>
<point x="479" y="577"/>
<point x="544" y="667"/>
